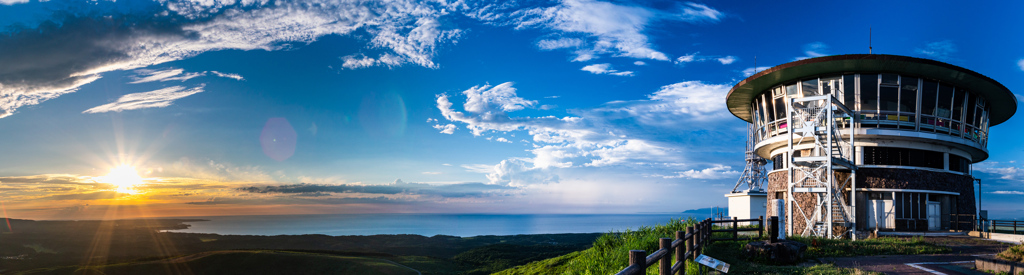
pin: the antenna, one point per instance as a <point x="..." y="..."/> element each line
<point x="869" y="40"/>
<point x="755" y="64"/>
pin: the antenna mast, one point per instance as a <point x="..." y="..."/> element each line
<point x="754" y="174"/>
<point x="869" y="40"/>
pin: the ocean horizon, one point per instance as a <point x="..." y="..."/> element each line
<point x="462" y="225"/>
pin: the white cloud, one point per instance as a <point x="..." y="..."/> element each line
<point x="639" y="63"/>
<point x="687" y="58"/>
<point x="561" y="43"/>
<point x="615" y="134"/>
<point x="716" y="172"/>
<point x="403" y="32"/>
<point x="697" y="57"/>
<point x="501" y="139"/>
<point x="514" y="172"/>
<point x="153" y="99"/>
<point x="228" y="75"/>
<point x="1020" y="64"/>
<point x="446" y="129"/>
<point x="941" y="50"/>
<point x="605" y="68"/>
<point x="479" y="168"/>
<point x="751" y="71"/>
<point x="1007" y="192"/>
<point x="12" y="2"/>
<point x="147" y="75"/>
<point x="812" y="50"/>
<point x="493" y="100"/>
<point x="612" y="28"/>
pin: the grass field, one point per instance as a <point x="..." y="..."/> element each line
<point x="610" y="252"/>
<point x="245" y="262"/>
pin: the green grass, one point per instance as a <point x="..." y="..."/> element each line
<point x="820" y="248"/>
<point x="732" y="252"/>
<point x="245" y="262"/>
<point x="1014" y="253"/>
<point x="610" y="253"/>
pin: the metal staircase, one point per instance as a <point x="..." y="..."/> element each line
<point x="820" y="143"/>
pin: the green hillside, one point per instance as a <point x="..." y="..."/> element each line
<point x="245" y="262"/>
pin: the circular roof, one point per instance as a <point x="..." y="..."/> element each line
<point x="1001" y="100"/>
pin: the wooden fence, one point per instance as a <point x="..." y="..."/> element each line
<point x="686" y="246"/>
<point x="1008" y="227"/>
<point x="961" y="222"/>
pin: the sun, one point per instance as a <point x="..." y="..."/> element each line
<point x="125" y="178"/>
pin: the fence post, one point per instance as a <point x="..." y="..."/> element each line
<point x="689" y="242"/>
<point x="735" y="229"/>
<point x="665" y="264"/>
<point x="708" y="235"/>
<point x="760" y="227"/>
<point x="682" y="249"/>
<point x="697" y="240"/>
<point x="638" y="257"/>
<point x="773" y="232"/>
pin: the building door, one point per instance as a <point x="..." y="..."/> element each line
<point x="880" y="214"/>
<point x="934" y="215"/>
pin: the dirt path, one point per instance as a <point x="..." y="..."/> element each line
<point x="960" y="261"/>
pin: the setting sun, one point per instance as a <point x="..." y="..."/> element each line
<point x="125" y="178"/>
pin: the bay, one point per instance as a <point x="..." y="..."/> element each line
<point x="462" y="225"/>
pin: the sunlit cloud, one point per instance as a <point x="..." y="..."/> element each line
<point x="153" y="99"/>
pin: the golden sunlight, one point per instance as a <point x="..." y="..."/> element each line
<point x="125" y="178"/>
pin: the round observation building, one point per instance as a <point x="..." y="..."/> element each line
<point x="872" y="142"/>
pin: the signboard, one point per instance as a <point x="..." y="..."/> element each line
<point x="713" y="263"/>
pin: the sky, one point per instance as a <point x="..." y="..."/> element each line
<point x="204" y="108"/>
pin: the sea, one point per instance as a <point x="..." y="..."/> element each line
<point x="462" y="225"/>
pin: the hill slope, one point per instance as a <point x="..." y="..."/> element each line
<point x="245" y="262"/>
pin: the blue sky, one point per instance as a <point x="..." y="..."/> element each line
<point x="279" y="107"/>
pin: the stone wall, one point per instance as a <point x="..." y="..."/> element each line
<point x="882" y="178"/>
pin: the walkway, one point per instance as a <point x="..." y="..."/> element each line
<point x="960" y="261"/>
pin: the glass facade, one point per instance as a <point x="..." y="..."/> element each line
<point x="888" y="101"/>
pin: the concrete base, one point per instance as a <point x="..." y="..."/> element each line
<point x="996" y="265"/>
<point x="747" y="205"/>
<point x="1000" y="237"/>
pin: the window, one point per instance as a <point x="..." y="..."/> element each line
<point x="780" y="108"/>
<point x="902" y="157"/>
<point x="849" y="91"/>
<point x="810" y="87"/>
<point x="908" y="95"/>
<point x="959" y="164"/>
<point x="945" y="108"/>
<point x="888" y="97"/>
<point x="929" y="92"/>
<point x="958" y="104"/>
<point x="791" y="90"/>
<point x="869" y="92"/>
<point x="890" y="79"/>
<point x="971" y="103"/>
<point x="778" y="162"/>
